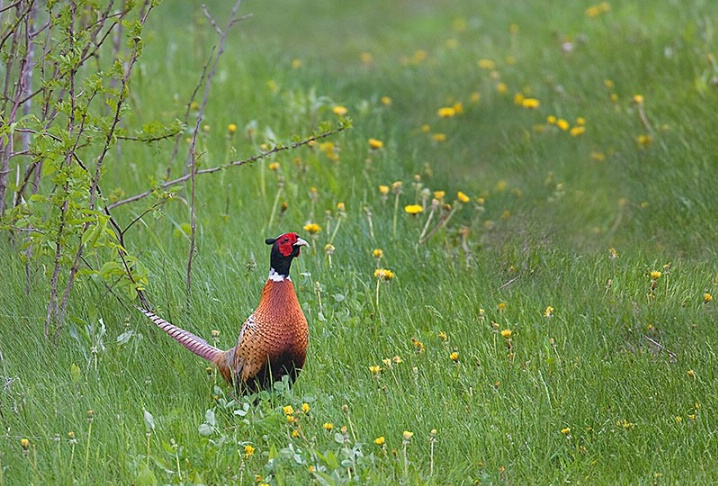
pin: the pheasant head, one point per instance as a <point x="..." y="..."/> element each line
<point x="285" y="248"/>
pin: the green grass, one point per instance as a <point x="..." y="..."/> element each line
<point x="541" y="238"/>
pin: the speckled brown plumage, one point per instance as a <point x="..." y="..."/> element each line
<point x="273" y="340"/>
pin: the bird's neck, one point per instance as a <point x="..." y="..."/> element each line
<point x="279" y="266"/>
<point x="275" y="276"/>
<point x="278" y="300"/>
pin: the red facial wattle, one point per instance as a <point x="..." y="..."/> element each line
<point x="286" y="243"/>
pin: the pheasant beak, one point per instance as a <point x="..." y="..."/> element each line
<point x="301" y="242"/>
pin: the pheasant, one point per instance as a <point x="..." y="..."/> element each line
<point x="273" y="340"/>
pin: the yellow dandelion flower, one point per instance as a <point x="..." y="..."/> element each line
<point x="530" y="103"/>
<point x="25" y="444"/>
<point x="274" y="166"/>
<point x="581" y="121"/>
<point x="194" y="106"/>
<point x="328" y="426"/>
<point x="593" y="12"/>
<point x="419" y="56"/>
<point x="707" y="298"/>
<point x="562" y="124"/>
<point x="329" y="249"/>
<point x="375" y="369"/>
<point x="329" y="150"/>
<point x="396" y="187"/>
<point x="458" y="108"/>
<point x="439" y="195"/>
<point x="407" y="435"/>
<point x="655" y="275"/>
<point x="383" y="274"/>
<point x="612" y="253"/>
<point x="462" y="197"/>
<point x="691" y="373"/>
<point x="380" y="441"/>
<point x="501" y="306"/>
<point x="446" y="112"/>
<point x="375" y="144"/>
<point x="341" y="207"/>
<point x="386" y="101"/>
<point x="638" y="99"/>
<point x="506" y="333"/>
<point x="454" y="356"/>
<point x="577" y="131"/>
<point x="439" y="137"/>
<point x="519" y="98"/>
<point x="548" y="312"/>
<point x="305" y="407"/>
<point x="679" y="419"/>
<point x="312" y="228"/>
<point x="452" y="43"/>
<point x="340" y="110"/>
<point x="442" y="335"/>
<point x="288" y="410"/>
<point x="644" y="140"/>
<point x="377" y="253"/>
<point x="425" y="128"/>
<point x="384" y="190"/>
<point x="231" y="128"/>
<point x="413" y="209"/>
<point x="566" y="430"/>
<point x="487" y="64"/>
<point x="501" y="88"/>
<point x="248" y="451"/>
<point x="608" y="83"/>
<point x="397" y="360"/>
<point x="598" y="156"/>
<point x="418" y="345"/>
<point x="551" y="120"/>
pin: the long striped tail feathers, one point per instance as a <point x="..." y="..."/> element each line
<point x="196" y="344"/>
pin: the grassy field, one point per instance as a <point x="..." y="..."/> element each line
<point x="556" y="327"/>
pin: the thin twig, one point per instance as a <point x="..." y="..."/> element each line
<point x="235" y="163"/>
<point x="149" y="139"/>
<point x="671" y="354"/>
<point x="94" y="186"/>
<point x="192" y="156"/>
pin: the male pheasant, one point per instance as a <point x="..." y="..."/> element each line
<point x="273" y="340"/>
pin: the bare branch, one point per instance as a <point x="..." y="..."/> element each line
<point x="235" y="163"/>
<point x="191" y="156"/>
